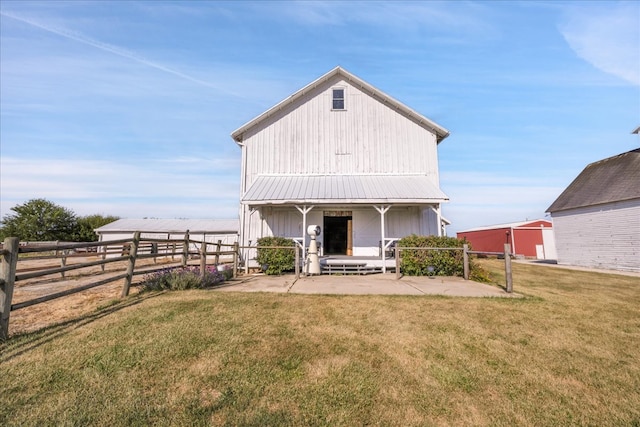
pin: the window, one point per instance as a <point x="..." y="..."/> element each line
<point x="338" y="99"/>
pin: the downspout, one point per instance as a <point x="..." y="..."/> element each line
<point x="243" y="207"/>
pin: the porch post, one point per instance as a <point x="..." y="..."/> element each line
<point x="246" y="234"/>
<point x="436" y="210"/>
<point x="304" y="210"/>
<point x="382" y="210"/>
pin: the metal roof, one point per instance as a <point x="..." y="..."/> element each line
<point x="440" y="131"/>
<point x="149" y="225"/>
<point x="613" y="179"/>
<point x="507" y="225"/>
<point x="325" y="189"/>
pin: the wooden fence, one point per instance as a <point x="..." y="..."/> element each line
<point x="106" y="252"/>
<point x="465" y="255"/>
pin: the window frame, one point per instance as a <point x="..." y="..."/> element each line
<point x="343" y="99"/>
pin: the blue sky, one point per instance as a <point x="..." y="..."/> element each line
<point x="126" y="108"/>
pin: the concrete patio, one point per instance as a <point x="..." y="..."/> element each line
<point x="372" y="284"/>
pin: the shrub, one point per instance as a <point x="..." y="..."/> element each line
<point x="276" y="261"/>
<point x="443" y="262"/>
<point x="180" y="278"/>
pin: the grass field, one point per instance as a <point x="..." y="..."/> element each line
<point x="566" y="354"/>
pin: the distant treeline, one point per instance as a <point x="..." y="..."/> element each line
<point x="41" y="220"/>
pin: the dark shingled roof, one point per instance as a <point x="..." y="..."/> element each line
<point x="609" y="180"/>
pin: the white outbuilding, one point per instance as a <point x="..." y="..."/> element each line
<point x="341" y="154"/>
<point x="208" y="230"/>
<point x="596" y="220"/>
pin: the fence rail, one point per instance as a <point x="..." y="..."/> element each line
<point x="131" y="250"/>
<point x="113" y="251"/>
<point x="466" y="252"/>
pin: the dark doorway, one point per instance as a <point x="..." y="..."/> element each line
<point x="337" y="235"/>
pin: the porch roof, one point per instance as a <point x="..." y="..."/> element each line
<point x="352" y="189"/>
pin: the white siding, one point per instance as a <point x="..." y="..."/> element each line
<point x="605" y="236"/>
<point x="429" y="223"/>
<point x="305" y="137"/>
<point x="549" y="243"/>
<point x="287" y="222"/>
<point x="367" y="138"/>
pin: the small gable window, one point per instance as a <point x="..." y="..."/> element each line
<point x="338" y="99"/>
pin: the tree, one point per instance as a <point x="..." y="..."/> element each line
<point x="87" y="224"/>
<point x="39" y="220"/>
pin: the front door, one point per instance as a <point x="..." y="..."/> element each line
<point x="338" y="234"/>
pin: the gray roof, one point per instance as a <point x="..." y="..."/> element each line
<point x="609" y="180"/>
<point x="149" y="225"/>
<point x="440" y="131"/>
<point x="326" y="189"/>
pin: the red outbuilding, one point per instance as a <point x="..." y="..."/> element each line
<point x="530" y="239"/>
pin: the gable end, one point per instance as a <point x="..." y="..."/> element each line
<point x="440" y="132"/>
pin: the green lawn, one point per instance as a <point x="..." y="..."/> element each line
<point x="566" y="354"/>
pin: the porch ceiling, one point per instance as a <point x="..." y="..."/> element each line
<point x="343" y="189"/>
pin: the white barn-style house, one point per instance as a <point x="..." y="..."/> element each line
<point x="596" y="219"/>
<point x="344" y="155"/>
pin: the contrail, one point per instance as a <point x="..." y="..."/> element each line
<point x="113" y="49"/>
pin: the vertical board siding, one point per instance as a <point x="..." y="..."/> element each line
<point x="368" y="137"/>
<point x="526" y="241"/>
<point x="366" y="232"/>
<point x="606" y="236"/>
<point x="306" y="137"/>
<point x="287" y="222"/>
<point x="491" y="240"/>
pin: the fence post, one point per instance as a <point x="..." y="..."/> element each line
<point x="236" y="250"/>
<point x="217" y="256"/>
<point x="507" y="267"/>
<point x="246" y="250"/>
<point x="185" y="249"/>
<point x="465" y="260"/>
<point x="63" y="261"/>
<point x="103" y="250"/>
<point x="203" y="259"/>
<point x="7" y="280"/>
<point x="133" y="253"/>
<point x="297" y="269"/>
<point x="397" y="254"/>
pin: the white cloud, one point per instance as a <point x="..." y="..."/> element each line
<point x="462" y="18"/>
<point x="153" y="189"/>
<point x="126" y="53"/>
<point x="126" y="77"/>
<point x="608" y="37"/>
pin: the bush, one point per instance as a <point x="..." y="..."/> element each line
<point x="180" y="278"/>
<point x="443" y="262"/>
<point x="276" y="261"/>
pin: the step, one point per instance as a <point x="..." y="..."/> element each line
<point x="349" y="268"/>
